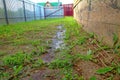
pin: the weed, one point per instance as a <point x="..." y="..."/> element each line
<point x="82" y="40"/>
<point x="110" y="78"/>
<point x="38" y="63"/>
<point x="2" y="53"/>
<point x="88" y="56"/>
<point x="81" y="78"/>
<point x="17" y="70"/>
<point x="69" y="75"/>
<point x="67" y="36"/>
<point x="91" y="35"/>
<point x="94" y="41"/>
<point x="116" y="67"/>
<point x="115" y="39"/>
<point x="21" y="41"/>
<point x="25" y="34"/>
<point x="116" y="48"/>
<point x="35" y="43"/>
<point x="4" y="75"/>
<point x="59" y="63"/>
<point x="84" y="57"/>
<point x="104" y="70"/>
<point x="105" y="47"/>
<point x="41" y="49"/>
<point x="16" y="59"/>
<point x="89" y="52"/>
<point x="93" y="78"/>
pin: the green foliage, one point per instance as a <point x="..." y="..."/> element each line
<point x="41" y="49"/>
<point x="59" y="63"/>
<point x="35" y="42"/>
<point x="91" y="35"/>
<point x="116" y="48"/>
<point x="38" y="63"/>
<point x="118" y="69"/>
<point x="88" y="56"/>
<point x="93" y="78"/>
<point x="105" y="47"/>
<point x="89" y="52"/>
<point x="115" y="38"/>
<point x="84" y="57"/>
<point x="4" y="75"/>
<point x="104" y="70"/>
<point x="82" y="40"/>
<point x="36" y="33"/>
<point x="94" y="41"/>
<point x="2" y="53"/>
<point x="69" y="75"/>
<point x="17" y="70"/>
<point x="67" y="36"/>
<point x="15" y="59"/>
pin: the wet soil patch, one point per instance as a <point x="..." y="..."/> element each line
<point x="46" y="73"/>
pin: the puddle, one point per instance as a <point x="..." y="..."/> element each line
<point x="58" y="40"/>
<point x="48" y="74"/>
<point x="57" y="43"/>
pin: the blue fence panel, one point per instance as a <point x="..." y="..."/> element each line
<point x="29" y="9"/>
<point x="37" y="12"/>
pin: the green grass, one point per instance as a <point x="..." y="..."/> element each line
<point x="26" y="42"/>
<point x="30" y="34"/>
<point x="64" y="60"/>
<point x="104" y="70"/>
<point x="16" y="59"/>
<point x="38" y="63"/>
<point x="84" y="47"/>
<point x="93" y="78"/>
<point x="22" y="44"/>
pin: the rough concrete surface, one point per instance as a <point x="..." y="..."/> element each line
<point x="99" y="16"/>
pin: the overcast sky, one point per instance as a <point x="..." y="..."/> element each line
<point x="63" y="1"/>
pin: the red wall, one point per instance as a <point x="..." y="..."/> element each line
<point x="68" y="9"/>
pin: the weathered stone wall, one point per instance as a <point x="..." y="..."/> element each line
<point x="99" y="16"/>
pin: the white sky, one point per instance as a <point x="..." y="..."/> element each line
<point x="63" y="1"/>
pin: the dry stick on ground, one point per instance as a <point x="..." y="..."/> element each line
<point x="103" y="55"/>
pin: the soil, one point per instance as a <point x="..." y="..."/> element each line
<point x="46" y="73"/>
<point x="87" y="69"/>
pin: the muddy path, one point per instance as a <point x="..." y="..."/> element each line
<point x="45" y="73"/>
<point x="57" y="44"/>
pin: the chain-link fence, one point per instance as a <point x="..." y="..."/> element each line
<point x="12" y="11"/>
<point x="55" y="12"/>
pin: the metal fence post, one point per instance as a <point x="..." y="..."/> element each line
<point x="5" y="10"/>
<point x="24" y="11"/>
<point x="34" y="12"/>
<point x="44" y="13"/>
<point x="40" y="11"/>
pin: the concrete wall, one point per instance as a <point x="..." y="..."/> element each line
<point x="99" y="16"/>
